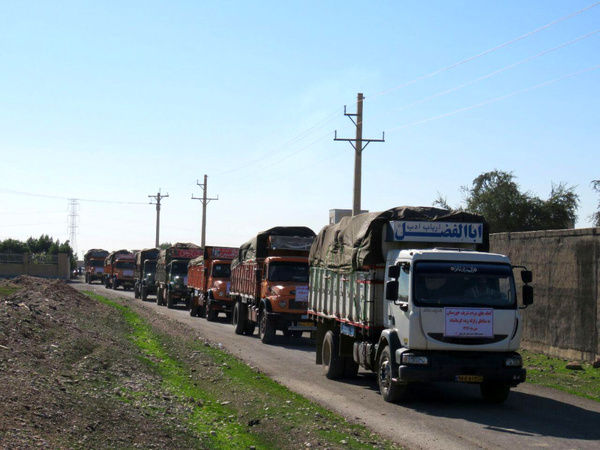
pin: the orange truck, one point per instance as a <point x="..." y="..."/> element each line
<point x="269" y="283"/>
<point x="208" y="282"/>
<point x="118" y="269"/>
<point x="93" y="261"/>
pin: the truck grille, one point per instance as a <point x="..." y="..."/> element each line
<point x="298" y="305"/>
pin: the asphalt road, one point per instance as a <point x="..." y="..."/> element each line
<point x="440" y="416"/>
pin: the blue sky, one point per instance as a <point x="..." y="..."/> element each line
<point x="108" y="102"/>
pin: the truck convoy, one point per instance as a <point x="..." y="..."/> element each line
<point x="413" y="295"/>
<point x="269" y="283"/>
<point x="208" y="282"/>
<point x="118" y="269"/>
<point x="171" y="273"/>
<point x="144" y="282"/>
<point x="93" y="261"/>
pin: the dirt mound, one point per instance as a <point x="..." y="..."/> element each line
<point x="70" y="379"/>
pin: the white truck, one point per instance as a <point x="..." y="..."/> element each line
<point x="413" y="295"/>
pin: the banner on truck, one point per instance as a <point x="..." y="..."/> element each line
<point x="440" y="232"/>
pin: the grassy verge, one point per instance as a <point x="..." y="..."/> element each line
<point x="552" y="372"/>
<point x="232" y="405"/>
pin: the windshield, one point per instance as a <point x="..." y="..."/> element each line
<point x="179" y="268"/>
<point x="125" y="265"/>
<point x="464" y="284"/>
<point x="96" y="263"/>
<point x="221" y="271"/>
<point x="288" y="271"/>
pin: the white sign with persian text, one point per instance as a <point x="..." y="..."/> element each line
<point x="469" y="322"/>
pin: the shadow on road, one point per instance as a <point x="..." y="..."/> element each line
<point x="522" y="414"/>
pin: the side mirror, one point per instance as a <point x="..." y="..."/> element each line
<point x="527" y="295"/>
<point x="526" y="276"/>
<point x="394" y="271"/>
<point x="391" y="290"/>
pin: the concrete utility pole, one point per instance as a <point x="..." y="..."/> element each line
<point x="357" y="143"/>
<point x="158" y="198"/>
<point x="73" y="216"/>
<point x="205" y="202"/>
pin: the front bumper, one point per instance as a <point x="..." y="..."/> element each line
<point x="471" y="367"/>
<point x="291" y="322"/>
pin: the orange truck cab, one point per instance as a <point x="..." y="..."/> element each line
<point x="118" y="269"/>
<point x="209" y="282"/>
<point x="93" y="261"/>
<point x="269" y="283"/>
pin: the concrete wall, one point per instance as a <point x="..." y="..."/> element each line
<point x="564" y="320"/>
<point x="60" y="270"/>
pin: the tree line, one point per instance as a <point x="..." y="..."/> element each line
<point x="44" y="245"/>
<point x="499" y="199"/>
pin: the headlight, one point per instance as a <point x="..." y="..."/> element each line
<point x="415" y="360"/>
<point x="221" y="294"/>
<point x="283" y="304"/>
<point x="513" y="361"/>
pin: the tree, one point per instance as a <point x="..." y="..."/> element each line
<point x="496" y="196"/>
<point x="596" y="216"/>
<point x="164" y="245"/>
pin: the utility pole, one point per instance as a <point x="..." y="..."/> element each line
<point x="158" y="197"/>
<point x="205" y="202"/>
<point x="357" y="143"/>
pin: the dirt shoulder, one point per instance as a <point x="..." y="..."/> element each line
<point x="83" y="373"/>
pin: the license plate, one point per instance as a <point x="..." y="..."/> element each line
<point x="469" y="378"/>
<point x="306" y="324"/>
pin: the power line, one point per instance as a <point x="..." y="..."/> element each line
<point x="31" y="194"/>
<point x="487" y="102"/>
<point x="464" y="61"/>
<point x="476" y="80"/>
<point x="292" y="141"/>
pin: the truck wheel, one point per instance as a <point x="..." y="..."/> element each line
<point x="159" y="296"/>
<point x="333" y="363"/>
<point x="87" y="279"/>
<point x="144" y="293"/>
<point x="136" y="292"/>
<point x="170" y="301"/>
<point x="266" y="330"/>
<point x="211" y="314"/>
<point x="250" y="327"/>
<point x="494" y="392"/>
<point x="350" y="367"/>
<point x="114" y="284"/>
<point x="238" y="321"/>
<point x="390" y="391"/>
<point x="194" y="310"/>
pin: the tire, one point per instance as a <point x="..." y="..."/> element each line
<point x="333" y="363"/>
<point x="250" y="327"/>
<point x="159" y="300"/>
<point x="211" y="314"/>
<point x="238" y="321"/>
<point x="115" y="284"/>
<point x="390" y="391"/>
<point x="87" y="279"/>
<point x="144" y="293"/>
<point x="136" y="292"/>
<point x="194" y="310"/>
<point x="494" y="392"/>
<point x="266" y="330"/>
<point x="169" y="299"/>
<point x="350" y="367"/>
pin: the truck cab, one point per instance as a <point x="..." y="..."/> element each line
<point x="176" y="286"/>
<point x="148" y="282"/>
<point x="122" y="273"/>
